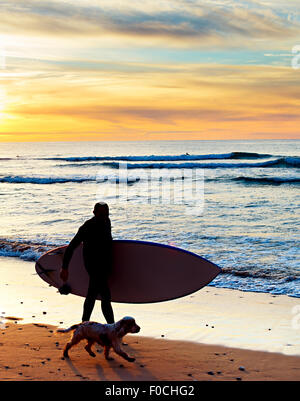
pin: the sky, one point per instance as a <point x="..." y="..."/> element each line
<point x="149" y="70"/>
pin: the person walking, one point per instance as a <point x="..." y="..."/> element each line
<point x="95" y="234"/>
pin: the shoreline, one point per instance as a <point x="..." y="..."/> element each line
<point x="33" y="352"/>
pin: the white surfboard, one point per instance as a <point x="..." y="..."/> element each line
<point x="143" y="272"/>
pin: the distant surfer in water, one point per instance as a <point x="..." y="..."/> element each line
<point x="97" y="254"/>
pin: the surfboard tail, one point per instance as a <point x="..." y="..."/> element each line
<point x="67" y="330"/>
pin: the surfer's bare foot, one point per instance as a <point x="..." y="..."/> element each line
<point x="130" y="359"/>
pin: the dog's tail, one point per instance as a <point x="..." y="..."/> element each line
<point x="67" y="330"/>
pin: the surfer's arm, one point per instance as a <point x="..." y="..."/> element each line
<point x="71" y="247"/>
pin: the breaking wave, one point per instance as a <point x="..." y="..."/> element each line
<point x="61" y="180"/>
<point x="186" y="156"/>
<point x="287" y="162"/>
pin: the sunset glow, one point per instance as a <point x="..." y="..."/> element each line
<point x="157" y="70"/>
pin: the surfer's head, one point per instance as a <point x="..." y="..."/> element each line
<point x="101" y="210"/>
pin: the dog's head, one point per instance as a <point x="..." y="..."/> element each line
<point x="127" y="325"/>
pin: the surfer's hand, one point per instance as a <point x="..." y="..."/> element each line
<point x="64" y="274"/>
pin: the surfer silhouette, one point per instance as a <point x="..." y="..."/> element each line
<point x="95" y="234"/>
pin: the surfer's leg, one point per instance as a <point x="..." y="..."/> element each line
<point x="98" y="285"/>
<point x="107" y="311"/>
<point x="106" y="307"/>
<point x="90" y="300"/>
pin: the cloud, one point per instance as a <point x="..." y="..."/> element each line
<point x="87" y="67"/>
<point x="182" y="23"/>
<point x="150" y="114"/>
<point x="188" y="94"/>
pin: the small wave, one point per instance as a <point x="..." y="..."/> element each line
<point x="268" y="180"/>
<point x="42" y="180"/>
<point x="281" y="162"/>
<point x="58" y="180"/>
<point x="23" y="250"/>
<point x="257" y="284"/>
<point x="261" y="274"/>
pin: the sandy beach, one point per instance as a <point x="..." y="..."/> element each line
<point x="34" y="352"/>
<point x="214" y="334"/>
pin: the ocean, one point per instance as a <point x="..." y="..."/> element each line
<point x="232" y="202"/>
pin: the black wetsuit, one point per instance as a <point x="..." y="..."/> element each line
<point x="95" y="234"/>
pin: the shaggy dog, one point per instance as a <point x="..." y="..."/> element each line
<point x="107" y="335"/>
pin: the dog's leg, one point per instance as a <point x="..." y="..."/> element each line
<point x="75" y="340"/>
<point x="119" y="351"/>
<point x="106" y="353"/>
<point x="88" y="348"/>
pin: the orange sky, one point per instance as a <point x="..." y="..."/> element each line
<point x="69" y="84"/>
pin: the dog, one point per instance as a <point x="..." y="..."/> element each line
<point x="107" y="335"/>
